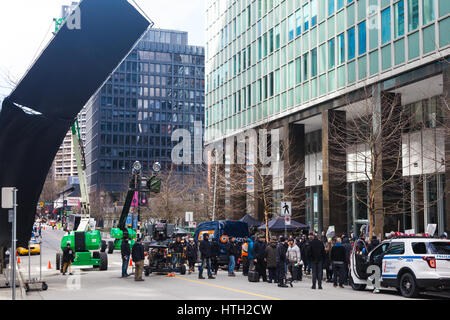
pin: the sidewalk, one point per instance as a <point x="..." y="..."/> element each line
<point x="6" y="292"/>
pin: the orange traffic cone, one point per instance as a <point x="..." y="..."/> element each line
<point x="131" y="262"/>
<point x="18" y="259"/>
<point x="49" y="264"/>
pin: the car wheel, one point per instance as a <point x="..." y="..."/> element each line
<point x="110" y="247"/>
<point x="183" y="269"/>
<point x="96" y="255"/>
<point x="58" y="261"/>
<point x="103" y="261"/>
<point x="356" y="286"/>
<point x="408" y="286"/>
<point x="104" y="246"/>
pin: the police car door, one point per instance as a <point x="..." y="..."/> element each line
<point x="393" y="260"/>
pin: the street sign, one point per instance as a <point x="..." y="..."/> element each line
<point x="287" y="220"/>
<point x="192" y="224"/>
<point x="189" y="216"/>
<point x="7" y="198"/>
<point x="285" y="209"/>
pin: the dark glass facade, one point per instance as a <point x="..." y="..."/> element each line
<point x="157" y="89"/>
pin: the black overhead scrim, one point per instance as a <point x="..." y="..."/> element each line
<point x="62" y="80"/>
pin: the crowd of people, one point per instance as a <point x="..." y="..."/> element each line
<point x="282" y="260"/>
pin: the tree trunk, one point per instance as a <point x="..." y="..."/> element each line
<point x="266" y="218"/>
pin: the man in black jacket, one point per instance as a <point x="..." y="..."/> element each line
<point x="191" y="254"/>
<point x="316" y="257"/>
<point x="177" y="250"/>
<point x="125" y="252"/>
<point x="215" y="252"/>
<point x="232" y="253"/>
<point x="259" y="254"/>
<point x="138" y="256"/>
<point x="338" y="260"/>
<point x="348" y="250"/>
<point x="205" y="255"/>
<point x="68" y="257"/>
<point x="281" y="262"/>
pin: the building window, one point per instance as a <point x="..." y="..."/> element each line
<point x="314" y="62"/>
<point x="362" y="38"/>
<point x="306" y="16"/>
<point x="341" y="48"/>
<point x="386" y="25"/>
<point x="298" y="70"/>
<point x="271" y="40"/>
<point x="291" y="27"/>
<point x="351" y="43"/>
<point x="331" y="53"/>
<point x="413" y="15"/>
<point x="428" y="11"/>
<point x="399" y="19"/>
<point x="298" y="22"/>
<point x="291" y="75"/>
<point x="265" y="44"/>
<point x="330" y="7"/>
<point x="305" y="66"/>
<point x="340" y="4"/>
<point x="277" y="37"/>
<point x="313" y="13"/>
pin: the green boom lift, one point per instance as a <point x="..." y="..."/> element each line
<point x="84" y="241"/>
<point x="138" y="183"/>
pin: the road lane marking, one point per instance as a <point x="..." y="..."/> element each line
<point x="227" y="288"/>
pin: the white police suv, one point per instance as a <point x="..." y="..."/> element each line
<point x="409" y="263"/>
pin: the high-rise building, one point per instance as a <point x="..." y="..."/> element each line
<point x="157" y="89"/>
<point x="305" y="65"/>
<point x="64" y="165"/>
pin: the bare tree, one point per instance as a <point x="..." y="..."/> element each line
<point x="175" y="195"/>
<point x="253" y="183"/>
<point x="371" y="142"/>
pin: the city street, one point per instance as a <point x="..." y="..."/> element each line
<point x="108" y="285"/>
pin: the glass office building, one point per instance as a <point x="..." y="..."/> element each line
<point x="157" y="89"/>
<point x="289" y="61"/>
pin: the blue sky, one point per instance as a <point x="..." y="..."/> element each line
<point x="26" y="26"/>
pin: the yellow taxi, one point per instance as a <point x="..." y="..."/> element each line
<point x="35" y="248"/>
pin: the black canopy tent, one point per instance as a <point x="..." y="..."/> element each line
<point x="277" y="224"/>
<point x="252" y="222"/>
<point x="35" y="118"/>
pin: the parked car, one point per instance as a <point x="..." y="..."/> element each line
<point x="410" y="264"/>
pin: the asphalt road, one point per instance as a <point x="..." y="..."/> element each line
<point x="93" y="284"/>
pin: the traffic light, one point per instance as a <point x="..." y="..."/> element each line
<point x="65" y="203"/>
<point x="154" y="184"/>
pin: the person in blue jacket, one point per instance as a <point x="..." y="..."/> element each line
<point x="251" y="257"/>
